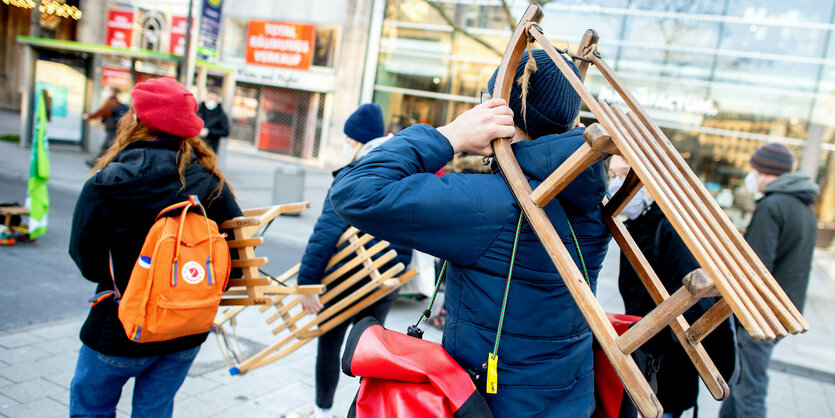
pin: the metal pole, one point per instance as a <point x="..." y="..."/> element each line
<point x="187" y="56"/>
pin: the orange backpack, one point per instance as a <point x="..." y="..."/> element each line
<point x="175" y="287"/>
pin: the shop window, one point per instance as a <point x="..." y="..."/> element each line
<point x="324" y="52"/>
<point x="244" y="112"/>
<point x="234" y="39"/>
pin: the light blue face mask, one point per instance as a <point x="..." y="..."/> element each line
<point x="636" y="206"/>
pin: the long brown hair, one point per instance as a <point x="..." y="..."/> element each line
<point x="130" y="129"/>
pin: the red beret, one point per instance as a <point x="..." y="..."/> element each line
<point x="164" y="105"/>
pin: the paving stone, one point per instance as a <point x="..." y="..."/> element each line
<point x="23" y="354"/>
<point x="18" y="339"/>
<point x="58" y="330"/>
<point x="31" y="390"/>
<point x="41" y="408"/>
<point x="63" y="345"/>
<point x="27" y="371"/>
<point x="6" y="402"/>
<point x="197" y="385"/>
<point x="63" y="378"/>
<point x="198" y="408"/>
<point x="62" y="397"/>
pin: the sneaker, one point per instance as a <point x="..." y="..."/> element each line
<point x="320" y="413"/>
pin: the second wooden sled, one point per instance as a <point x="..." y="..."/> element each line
<point x="295" y="328"/>
<point x="729" y="268"/>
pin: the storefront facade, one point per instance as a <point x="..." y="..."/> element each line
<point x="721" y="77"/>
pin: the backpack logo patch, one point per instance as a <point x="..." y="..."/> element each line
<point x="193" y="272"/>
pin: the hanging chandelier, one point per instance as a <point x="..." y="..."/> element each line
<point x="50" y="9"/>
<point x="26" y="4"/>
<point x="59" y="8"/>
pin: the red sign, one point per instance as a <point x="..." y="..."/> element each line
<point x="177" y="46"/>
<point x="280" y="44"/>
<point x="119" y="28"/>
<point x="116" y="77"/>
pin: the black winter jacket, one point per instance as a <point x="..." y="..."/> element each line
<point x="678" y="381"/>
<point x="215" y="121"/>
<point x="783" y="231"/>
<point x="114" y="212"/>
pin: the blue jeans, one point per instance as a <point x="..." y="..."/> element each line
<point x="97" y="384"/>
<point x="749" y="386"/>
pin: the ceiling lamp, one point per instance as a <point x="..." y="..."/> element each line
<point x="59" y="9"/>
<point x="26" y="4"/>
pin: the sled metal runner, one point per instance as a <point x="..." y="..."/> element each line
<point x="729" y="267"/>
<point x="363" y="283"/>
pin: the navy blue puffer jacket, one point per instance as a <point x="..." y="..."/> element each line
<point x="545" y="353"/>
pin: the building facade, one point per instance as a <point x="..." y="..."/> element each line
<point x="721" y="77"/>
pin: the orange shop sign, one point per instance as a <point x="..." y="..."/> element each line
<point x="280" y="44"/>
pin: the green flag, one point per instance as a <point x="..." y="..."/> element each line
<point x="38" y="198"/>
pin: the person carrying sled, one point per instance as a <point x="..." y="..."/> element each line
<point x="545" y="351"/>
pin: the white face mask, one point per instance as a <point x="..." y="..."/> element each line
<point x="348" y="151"/>
<point x="106" y="94"/>
<point x="636" y="206"/>
<point x="752" y="183"/>
<point x="211" y="104"/>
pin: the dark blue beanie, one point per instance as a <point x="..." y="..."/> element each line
<point x="552" y="106"/>
<point x="365" y="124"/>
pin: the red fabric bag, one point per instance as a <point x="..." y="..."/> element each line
<point x="403" y="376"/>
<point x="608" y="389"/>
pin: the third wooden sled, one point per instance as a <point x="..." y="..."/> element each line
<point x="729" y="268"/>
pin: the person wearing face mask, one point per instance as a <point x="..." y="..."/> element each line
<point x="216" y="124"/>
<point x="782" y="233"/>
<point x="364" y="130"/>
<point x="677" y="379"/>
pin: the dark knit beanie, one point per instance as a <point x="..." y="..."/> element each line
<point x="552" y="104"/>
<point x="366" y="123"/>
<point x="774" y="159"/>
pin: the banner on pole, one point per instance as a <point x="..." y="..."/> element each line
<point x="37" y="199"/>
<point x="210" y="19"/>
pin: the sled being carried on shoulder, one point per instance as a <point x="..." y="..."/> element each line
<point x="278" y="297"/>
<point x="729" y="268"/>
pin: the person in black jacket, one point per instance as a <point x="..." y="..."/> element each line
<point x="365" y="130"/>
<point x="782" y="233"/>
<point x="215" y="122"/>
<point x="678" y="381"/>
<point x="158" y="160"/>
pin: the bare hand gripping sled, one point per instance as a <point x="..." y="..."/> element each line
<point x="729" y="267"/>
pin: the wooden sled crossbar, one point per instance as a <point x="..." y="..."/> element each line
<point x="284" y="305"/>
<point x="252" y="288"/>
<point x="729" y="267"/>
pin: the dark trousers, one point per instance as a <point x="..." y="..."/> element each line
<point x="330" y="344"/>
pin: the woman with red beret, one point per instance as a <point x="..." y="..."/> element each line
<point x="157" y="160"/>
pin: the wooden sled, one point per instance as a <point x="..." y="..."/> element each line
<point x="729" y="268"/>
<point x="285" y="306"/>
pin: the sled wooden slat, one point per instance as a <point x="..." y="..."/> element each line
<point x="691" y="233"/>
<point x="714" y="316"/>
<point x="697" y="285"/>
<point x="244" y="291"/>
<point x="730" y="253"/>
<point x="713" y="206"/>
<point x="365" y="285"/>
<point x="729" y="267"/>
